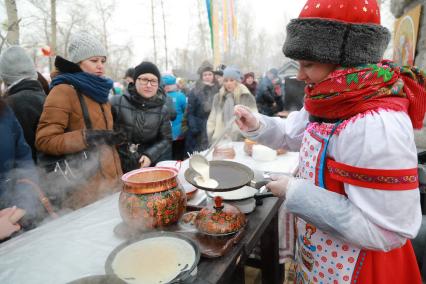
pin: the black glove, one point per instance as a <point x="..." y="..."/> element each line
<point x="108" y="137"/>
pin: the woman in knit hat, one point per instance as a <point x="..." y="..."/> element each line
<point x="24" y="93"/>
<point x="144" y="116"/>
<point x="63" y="128"/>
<point x="357" y="181"/>
<point x="233" y="92"/>
<point x="200" y="101"/>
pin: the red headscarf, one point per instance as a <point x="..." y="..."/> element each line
<point x="349" y="91"/>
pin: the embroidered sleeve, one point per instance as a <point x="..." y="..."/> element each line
<point x="378" y="157"/>
<point x="380" y="205"/>
<point x="398" y="179"/>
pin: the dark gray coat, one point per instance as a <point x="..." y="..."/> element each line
<point x="147" y="124"/>
<point x="200" y="102"/>
<point x="26" y="99"/>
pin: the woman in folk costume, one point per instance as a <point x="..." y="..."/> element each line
<point x="356" y="194"/>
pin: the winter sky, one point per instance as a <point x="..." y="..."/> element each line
<point x="182" y="16"/>
<point x="131" y="21"/>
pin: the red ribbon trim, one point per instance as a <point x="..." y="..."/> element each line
<point x="401" y="179"/>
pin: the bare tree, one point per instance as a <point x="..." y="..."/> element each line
<point x="153" y="30"/>
<point x="247" y="41"/>
<point x="2" y="41"/>
<point x="53" y="26"/>
<point x="119" y="60"/>
<point x="165" y="35"/>
<point x="12" y="36"/>
<point x="202" y="34"/>
<point x="75" y="20"/>
<point x="104" y="10"/>
<point x="49" y="26"/>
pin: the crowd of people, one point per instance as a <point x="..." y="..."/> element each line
<point x="355" y="196"/>
<point x="72" y="138"/>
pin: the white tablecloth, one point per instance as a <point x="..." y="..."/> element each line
<point x="78" y="244"/>
<point x="64" y="249"/>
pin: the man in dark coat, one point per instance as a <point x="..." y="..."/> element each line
<point x="24" y="93"/>
<point x="268" y="95"/>
<point x="200" y="102"/>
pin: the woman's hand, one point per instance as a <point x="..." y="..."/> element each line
<point x="145" y="161"/>
<point x="279" y="185"/>
<point x="7" y="228"/>
<point x="246" y="120"/>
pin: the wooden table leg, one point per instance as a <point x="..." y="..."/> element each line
<point x="239" y="275"/>
<point x="272" y="270"/>
<point x="423" y="268"/>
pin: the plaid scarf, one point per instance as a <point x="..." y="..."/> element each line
<point x="350" y="91"/>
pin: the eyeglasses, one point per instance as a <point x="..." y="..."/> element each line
<point x="145" y="81"/>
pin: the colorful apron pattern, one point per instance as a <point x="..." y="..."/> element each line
<point x="321" y="258"/>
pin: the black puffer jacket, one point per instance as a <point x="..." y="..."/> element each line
<point x="26" y="99"/>
<point x="147" y="124"/>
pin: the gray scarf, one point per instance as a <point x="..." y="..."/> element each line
<point x="228" y="108"/>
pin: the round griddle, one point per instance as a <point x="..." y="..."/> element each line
<point x="230" y="175"/>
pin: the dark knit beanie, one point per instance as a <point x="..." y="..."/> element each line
<point x="218" y="72"/>
<point x="347" y="33"/>
<point x="205" y="66"/>
<point x="129" y="73"/>
<point x="146" y="67"/>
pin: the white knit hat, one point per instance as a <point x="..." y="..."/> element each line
<point x="83" y="46"/>
<point x="15" y="65"/>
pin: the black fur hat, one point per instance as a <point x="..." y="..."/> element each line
<point x="347" y="33"/>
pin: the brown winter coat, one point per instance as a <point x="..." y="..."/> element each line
<point x="60" y="131"/>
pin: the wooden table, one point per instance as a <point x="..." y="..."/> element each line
<point x="262" y="226"/>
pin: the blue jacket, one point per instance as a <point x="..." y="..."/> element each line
<point x="179" y="100"/>
<point x="16" y="163"/>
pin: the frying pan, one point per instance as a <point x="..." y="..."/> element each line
<point x="230" y="176"/>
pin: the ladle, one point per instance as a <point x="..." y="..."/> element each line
<point x="199" y="163"/>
